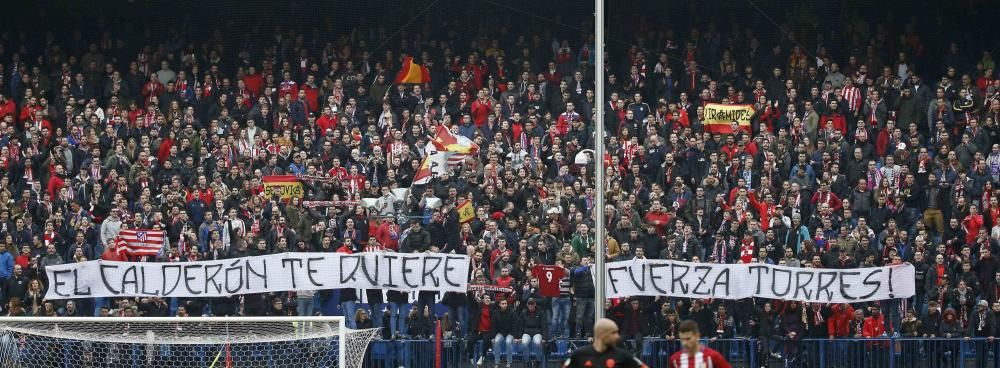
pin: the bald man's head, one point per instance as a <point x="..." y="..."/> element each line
<point x="605" y="334"/>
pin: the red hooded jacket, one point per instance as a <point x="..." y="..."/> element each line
<point x="839" y="324"/>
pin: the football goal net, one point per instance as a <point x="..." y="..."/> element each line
<point x="213" y="342"/>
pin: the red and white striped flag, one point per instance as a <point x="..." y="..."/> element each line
<point x="140" y="242"/>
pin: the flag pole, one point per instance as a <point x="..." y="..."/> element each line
<point x="599" y="222"/>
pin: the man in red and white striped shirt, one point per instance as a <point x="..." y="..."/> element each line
<point x="852" y="96"/>
<point x="373" y="245"/>
<point x="692" y="354"/>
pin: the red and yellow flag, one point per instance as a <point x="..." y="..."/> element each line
<point x="445" y="141"/>
<point x="719" y="118"/>
<point x="284" y="186"/>
<point x="412" y="73"/>
<point x="466" y="212"/>
<point x="444" y="150"/>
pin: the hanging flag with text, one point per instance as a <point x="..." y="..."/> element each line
<point x="719" y="118"/>
<point x="260" y="274"/>
<point x="284" y="186"/>
<point x="738" y="281"/>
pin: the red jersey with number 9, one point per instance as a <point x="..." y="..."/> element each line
<point x="548" y="279"/>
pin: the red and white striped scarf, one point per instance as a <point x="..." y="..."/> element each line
<point x="721" y="248"/>
<point x="490" y="288"/>
<point x="746" y="250"/>
<point x="872" y="115"/>
<point x="49" y="238"/>
<point x="629" y="152"/>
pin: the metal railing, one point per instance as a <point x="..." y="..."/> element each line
<point x="456" y="353"/>
<point x="891" y="352"/>
<point x="885" y="352"/>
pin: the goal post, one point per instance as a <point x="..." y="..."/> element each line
<point x="215" y="342"/>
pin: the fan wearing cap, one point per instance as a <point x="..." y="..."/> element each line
<point x="981" y="325"/>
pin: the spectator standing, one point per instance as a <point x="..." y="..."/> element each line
<point x="482" y="332"/>
<point x="981" y="326"/>
<point x="583" y="294"/>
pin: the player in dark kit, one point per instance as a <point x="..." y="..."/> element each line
<point x="604" y="352"/>
<point x="692" y="354"/>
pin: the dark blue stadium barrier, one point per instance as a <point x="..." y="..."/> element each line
<point x="420" y="353"/>
<point x="812" y="353"/>
<point x="892" y="352"/>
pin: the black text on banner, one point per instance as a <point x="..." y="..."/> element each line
<point x="738" y="281"/>
<point x="260" y="274"/>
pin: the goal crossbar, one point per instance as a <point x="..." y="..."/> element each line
<point x="178" y="330"/>
<point x="194" y="331"/>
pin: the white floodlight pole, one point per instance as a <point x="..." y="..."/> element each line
<point x="599" y="221"/>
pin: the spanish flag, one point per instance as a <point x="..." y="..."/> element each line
<point x="444" y="150"/>
<point x="412" y="73"/>
<point x="456" y="144"/>
<point x="719" y="118"/>
<point x="434" y="164"/>
<point x="466" y="212"/>
<point x="284" y="186"/>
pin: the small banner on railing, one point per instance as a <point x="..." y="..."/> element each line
<point x="260" y="274"/>
<point x="738" y="281"/>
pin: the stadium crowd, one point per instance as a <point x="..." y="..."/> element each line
<point x="864" y="150"/>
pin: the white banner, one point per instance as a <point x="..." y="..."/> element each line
<point x="260" y="274"/>
<point x="738" y="281"/>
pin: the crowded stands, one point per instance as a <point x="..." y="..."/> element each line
<point x="871" y="143"/>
